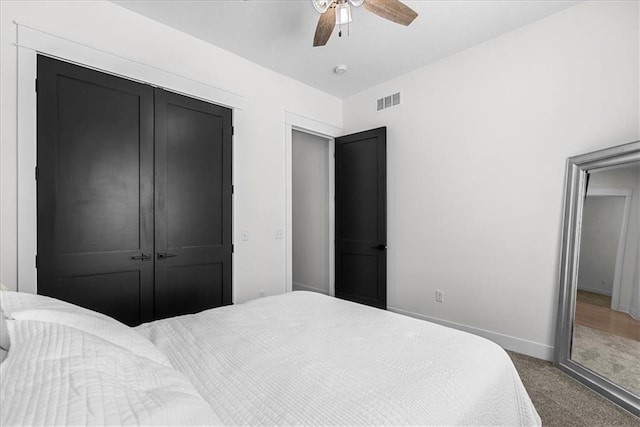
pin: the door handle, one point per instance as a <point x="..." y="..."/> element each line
<point x="141" y="257"/>
<point x="379" y="247"/>
<point x="164" y="255"/>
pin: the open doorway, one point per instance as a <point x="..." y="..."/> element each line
<point x="312" y="212"/>
<point x="602" y="230"/>
<point x="357" y="253"/>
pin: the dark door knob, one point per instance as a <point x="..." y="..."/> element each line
<point x="163" y="255"/>
<point x="141" y="257"/>
<point x="379" y="247"/>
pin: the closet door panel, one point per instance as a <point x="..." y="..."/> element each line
<point x="201" y="287"/>
<point x="193" y="205"/>
<point x="101" y="167"/>
<point x="194" y="178"/>
<point x="115" y="294"/>
<point x="95" y="190"/>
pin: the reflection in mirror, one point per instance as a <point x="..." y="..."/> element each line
<point x="606" y="332"/>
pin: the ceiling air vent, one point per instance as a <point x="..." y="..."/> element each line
<point x="388" y="101"/>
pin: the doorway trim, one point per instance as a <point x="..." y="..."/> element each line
<point x="622" y="238"/>
<point x="304" y="124"/>
<point x="31" y="42"/>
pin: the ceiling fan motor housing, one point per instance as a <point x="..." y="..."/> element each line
<point x="321" y="5"/>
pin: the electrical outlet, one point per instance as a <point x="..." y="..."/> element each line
<point x="244" y="235"/>
<point x="439" y="296"/>
<point x="279" y="234"/>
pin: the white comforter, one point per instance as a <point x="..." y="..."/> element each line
<point x="304" y="358"/>
<point x="59" y="375"/>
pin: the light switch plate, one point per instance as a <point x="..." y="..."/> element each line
<point x="279" y="234"/>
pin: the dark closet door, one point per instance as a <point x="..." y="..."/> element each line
<point x="361" y="217"/>
<point x="192" y="205"/>
<point x="95" y="190"/>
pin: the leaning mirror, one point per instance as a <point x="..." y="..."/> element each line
<point x="598" y="333"/>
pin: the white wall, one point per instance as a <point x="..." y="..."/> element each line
<point x="476" y="162"/>
<point x="259" y="154"/>
<point x="310" y="209"/>
<point x="599" y="239"/>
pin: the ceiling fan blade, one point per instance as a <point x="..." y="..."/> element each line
<point x="393" y="10"/>
<point x="325" y="27"/>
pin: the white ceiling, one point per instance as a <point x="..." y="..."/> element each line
<point x="278" y="34"/>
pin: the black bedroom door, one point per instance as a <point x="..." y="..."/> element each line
<point x="134" y="196"/>
<point x="192" y="205"/>
<point x="95" y="190"/>
<point x="361" y="217"/>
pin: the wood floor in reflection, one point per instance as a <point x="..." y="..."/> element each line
<point x="607" y="320"/>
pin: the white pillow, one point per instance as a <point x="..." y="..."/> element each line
<point x="58" y="375"/>
<point x="106" y="328"/>
<point x="24" y="306"/>
<point x="11" y="302"/>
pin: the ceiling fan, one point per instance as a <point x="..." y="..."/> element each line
<point x="338" y="12"/>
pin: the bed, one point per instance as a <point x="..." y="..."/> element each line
<point x="299" y="358"/>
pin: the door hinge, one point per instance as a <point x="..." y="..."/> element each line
<point x="233" y="249"/>
<point x="233" y="130"/>
<point x="36" y="85"/>
<point x="233" y="190"/>
<point x="36" y="261"/>
<point x="37" y="173"/>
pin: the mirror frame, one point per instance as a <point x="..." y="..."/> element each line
<point x="575" y="181"/>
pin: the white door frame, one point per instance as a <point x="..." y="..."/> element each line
<point x="301" y="123"/>
<point x="622" y="239"/>
<point x="31" y="42"/>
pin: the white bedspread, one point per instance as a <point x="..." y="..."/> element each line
<point x="304" y="358"/>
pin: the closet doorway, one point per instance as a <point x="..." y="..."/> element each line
<point x="312" y="212"/>
<point x="134" y="195"/>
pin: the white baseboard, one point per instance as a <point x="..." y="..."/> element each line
<point x="630" y="311"/>
<point x="624" y="309"/>
<point x="300" y="286"/>
<point x="519" y="345"/>
<point x="595" y="290"/>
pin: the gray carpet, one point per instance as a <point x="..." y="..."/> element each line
<point x="561" y="401"/>
<point x="609" y="355"/>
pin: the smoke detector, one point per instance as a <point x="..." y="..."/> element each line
<point x="340" y="69"/>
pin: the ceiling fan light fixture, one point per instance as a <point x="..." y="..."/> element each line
<point x="343" y="13"/>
